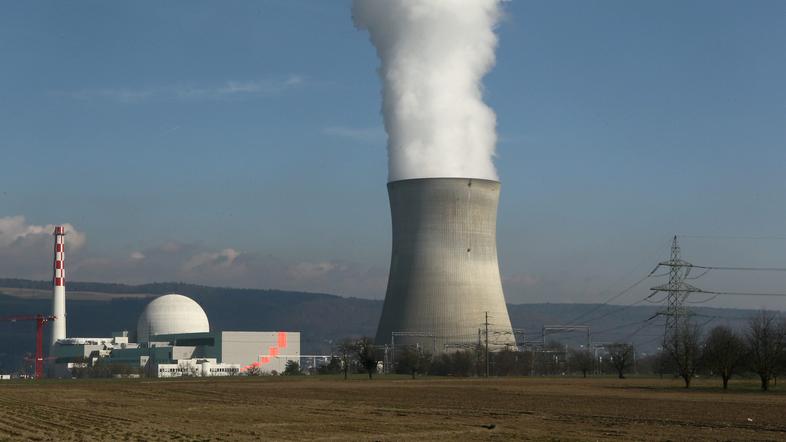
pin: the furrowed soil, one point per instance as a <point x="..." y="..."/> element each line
<point x="327" y="408"/>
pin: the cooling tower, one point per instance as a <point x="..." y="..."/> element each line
<point x="444" y="274"/>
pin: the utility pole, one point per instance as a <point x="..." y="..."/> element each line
<point x="479" y="349"/>
<point x="677" y="291"/>
<point x="487" y="344"/>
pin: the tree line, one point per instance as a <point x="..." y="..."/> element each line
<point x="759" y="350"/>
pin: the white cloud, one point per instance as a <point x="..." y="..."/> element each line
<point x="223" y="259"/>
<point x="194" y="263"/>
<point x="231" y="89"/>
<point x="26" y="252"/>
<point x="120" y="95"/>
<point x="312" y="270"/>
<point x="359" y="134"/>
<point x="14" y="230"/>
<point x="294" y="80"/>
<point x="26" y="249"/>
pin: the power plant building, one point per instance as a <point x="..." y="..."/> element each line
<point x="170" y="314"/>
<point x="173" y="338"/>
<point x="444" y="277"/>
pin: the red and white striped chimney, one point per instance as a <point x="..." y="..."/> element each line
<point x="58" y="279"/>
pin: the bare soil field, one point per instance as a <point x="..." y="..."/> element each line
<point x="327" y="408"/>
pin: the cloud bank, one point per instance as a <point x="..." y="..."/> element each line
<point x="26" y="249"/>
<point x="26" y="252"/>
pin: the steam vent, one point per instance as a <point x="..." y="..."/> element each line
<point x="444" y="274"/>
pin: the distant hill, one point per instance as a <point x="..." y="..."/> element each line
<point x="97" y="309"/>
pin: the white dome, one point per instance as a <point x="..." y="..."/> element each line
<point x="171" y="314"/>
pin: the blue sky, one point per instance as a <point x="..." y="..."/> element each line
<point x="240" y="143"/>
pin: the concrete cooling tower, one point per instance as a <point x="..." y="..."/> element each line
<point x="444" y="273"/>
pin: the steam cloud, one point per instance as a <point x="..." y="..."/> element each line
<point x="433" y="55"/>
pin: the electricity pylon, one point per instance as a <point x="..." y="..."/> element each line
<point x="678" y="290"/>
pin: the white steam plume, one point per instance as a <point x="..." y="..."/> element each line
<point x="433" y="55"/>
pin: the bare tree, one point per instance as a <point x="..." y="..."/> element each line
<point x="364" y="352"/>
<point x="621" y="356"/>
<point x="684" y="349"/>
<point x="413" y="361"/>
<point x="724" y="353"/>
<point x="509" y="362"/>
<point x="581" y="360"/>
<point x="549" y="360"/>
<point x="345" y="350"/>
<point x="254" y="370"/>
<point x="456" y="363"/>
<point x="765" y="339"/>
<point x="292" y="368"/>
<point x="663" y="363"/>
<point x="188" y="370"/>
<point x="334" y="366"/>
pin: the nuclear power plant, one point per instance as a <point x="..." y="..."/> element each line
<point x="172" y="339"/>
<point x="444" y="287"/>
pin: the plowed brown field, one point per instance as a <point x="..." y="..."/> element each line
<point x="388" y="409"/>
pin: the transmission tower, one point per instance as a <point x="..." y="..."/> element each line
<point x="677" y="291"/>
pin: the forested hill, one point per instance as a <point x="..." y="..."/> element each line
<point x="157" y="288"/>
<point x="97" y="309"/>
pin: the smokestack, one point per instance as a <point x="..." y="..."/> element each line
<point x="58" y="280"/>
<point x="444" y="273"/>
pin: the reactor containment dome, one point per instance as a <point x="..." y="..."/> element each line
<point x="170" y="314"/>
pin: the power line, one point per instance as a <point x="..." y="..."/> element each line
<point x="647" y="299"/>
<point x="778" y="237"/>
<point x="703" y="301"/>
<point x="618" y="309"/>
<point x="599" y="332"/>
<point x="606" y="302"/>
<point x="755" y="269"/>
<point x="643" y="326"/>
<point x="728" y="318"/>
<point x="624" y="291"/>
<point x="699" y="276"/>
<point x="740" y="293"/>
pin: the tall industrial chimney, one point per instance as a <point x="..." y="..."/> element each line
<point x="444" y="274"/>
<point x="58" y="301"/>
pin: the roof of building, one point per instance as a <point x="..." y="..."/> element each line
<point x="170" y="314"/>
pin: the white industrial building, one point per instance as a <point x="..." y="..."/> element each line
<point x="196" y="367"/>
<point x="173" y="339"/>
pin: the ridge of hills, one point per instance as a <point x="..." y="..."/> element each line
<point x="97" y="309"/>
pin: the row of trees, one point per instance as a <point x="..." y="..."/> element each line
<point x="352" y="356"/>
<point x="102" y="369"/>
<point x="292" y="368"/>
<point x="760" y="349"/>
<point x="361" y="357"/>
